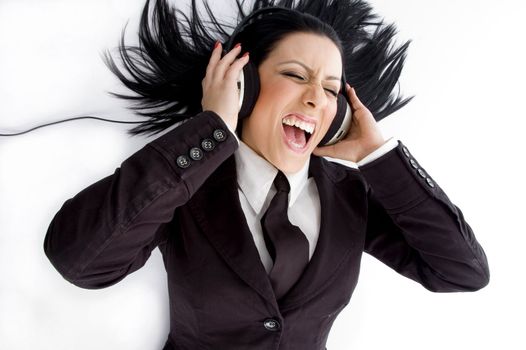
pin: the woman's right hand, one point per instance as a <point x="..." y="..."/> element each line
<point x="220" y="93"/>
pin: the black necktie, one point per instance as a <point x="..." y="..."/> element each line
<point x="287" y="245"/>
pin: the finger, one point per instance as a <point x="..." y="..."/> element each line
<point x="324" y="151"/>
<point x="225" y="62"/>
<point x="318" y="152"/>
<point x="212" y="63"/>
<point x="214" y="58"/>
<point x="355" y="101"/>
<point x="236" y="67"/>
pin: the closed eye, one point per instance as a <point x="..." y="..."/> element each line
<point x="332" y="92"/>
<point x="299" y="77"/>
<point x="293" y="75"/>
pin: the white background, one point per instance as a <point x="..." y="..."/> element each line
<point x="465" y="126"/>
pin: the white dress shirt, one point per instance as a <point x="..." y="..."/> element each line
<point x="255" y="177"/>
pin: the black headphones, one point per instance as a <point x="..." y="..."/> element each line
<point x="248" y="84"/>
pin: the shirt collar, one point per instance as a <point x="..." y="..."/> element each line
<point x="255" y="176"/>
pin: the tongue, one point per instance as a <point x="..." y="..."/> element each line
<point x="295" y="135"/>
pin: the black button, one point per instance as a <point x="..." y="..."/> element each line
<point x="219" y="135"/>
<point x="430" y="182"/>
<point x="183" y="162"/>
<point x="208" y="145"/>
<point x="421" y="173"/>
<point x="196" y="153"/>
<point x="271" y="324"/>
<point x="406" y="151"/>
<point x="413" y="163"/>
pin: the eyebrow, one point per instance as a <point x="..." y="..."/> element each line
<point x="308" y="69"/>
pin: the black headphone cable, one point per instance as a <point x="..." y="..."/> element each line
<point x="65" y="120"/>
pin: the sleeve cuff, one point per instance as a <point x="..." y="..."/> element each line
<point x="398" y="181"/>
<point x="233" y="132"/>
<point x="197" y="148"/>
<point x="380" y="151"/>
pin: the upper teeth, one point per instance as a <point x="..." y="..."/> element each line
<point x="292" y="121"/>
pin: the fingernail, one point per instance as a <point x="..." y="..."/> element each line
<point x="216" y="45"/>
<point x="237" y="45"/>
<point x="245" y="54"/>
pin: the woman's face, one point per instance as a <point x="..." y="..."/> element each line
<point x="300" y="80"/>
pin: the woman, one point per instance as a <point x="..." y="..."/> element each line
<point x="207" y="197"/>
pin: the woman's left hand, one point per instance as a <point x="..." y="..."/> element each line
<point x="363" y="137"/>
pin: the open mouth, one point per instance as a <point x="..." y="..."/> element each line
<point x="297" y="131"/>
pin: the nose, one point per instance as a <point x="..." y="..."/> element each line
<point x="314" y="96"/>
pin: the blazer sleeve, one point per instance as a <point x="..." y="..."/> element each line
<point x="414" y="228"/>
<point x="109" y="229"/>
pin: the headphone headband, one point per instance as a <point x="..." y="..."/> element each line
<point x="251" y="18"/>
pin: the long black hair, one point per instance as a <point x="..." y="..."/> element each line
<point x="166" y="69"/>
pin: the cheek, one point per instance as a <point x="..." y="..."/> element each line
<point x="272" y="101"/>
<point x="258" y="127"/>
<point x="328" y="117"/>
<point x="278" y="92"/>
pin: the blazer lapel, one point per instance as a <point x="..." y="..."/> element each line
<point x="339" y="232"/>
<point x="218" y="211"/>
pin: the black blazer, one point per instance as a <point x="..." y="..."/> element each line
<point x="180" y="193"/>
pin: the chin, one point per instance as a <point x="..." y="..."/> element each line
<point x="291" y="165"/>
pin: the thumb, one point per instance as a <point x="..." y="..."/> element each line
<point x="323" y="151"/>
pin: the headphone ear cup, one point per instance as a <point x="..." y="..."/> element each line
<point x="340" y="124"/>
<point x="248" y="86"/>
